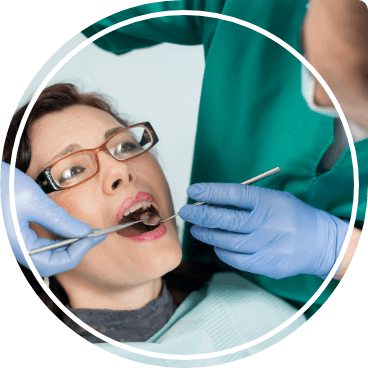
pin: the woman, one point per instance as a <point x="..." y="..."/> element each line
<point x="135" y="266"/>
<point x="118" y="286"/>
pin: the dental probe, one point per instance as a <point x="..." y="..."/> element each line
<point x="247" y="182"/>
<point x="64" y="242"/>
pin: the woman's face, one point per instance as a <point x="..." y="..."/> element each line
<point x="118" y="262"/>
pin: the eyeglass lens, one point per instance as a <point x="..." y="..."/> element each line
<point x="82" y="165"/>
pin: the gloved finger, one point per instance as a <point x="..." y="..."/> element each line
<point x="42" y="260"/>
<point x="236" y="260"/>
<point x="58" y="221"/>
<point x="243" y="262"/>
<point x="216" y="217"/>
<point x="72" y="255"/>
<point x="52" y="262"/>
<point x="33" y="205"/>
<point x="261" y="263"/>
<point x="237" y="195"/>
<point x="30" y="240"/>
<point x="234" y="242"/>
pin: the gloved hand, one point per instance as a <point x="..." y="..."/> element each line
<point x="270" y="232"/>
<point x="33" y="205"/>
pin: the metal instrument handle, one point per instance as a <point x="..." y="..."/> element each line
<point x="65" y="242"/>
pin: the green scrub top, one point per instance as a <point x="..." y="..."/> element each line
<point x="252" y="115"/>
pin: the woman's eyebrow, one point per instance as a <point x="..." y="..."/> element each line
<point x="111" y="132"/>
<point x="65" y="151"/>
<point x="75" y="147"/>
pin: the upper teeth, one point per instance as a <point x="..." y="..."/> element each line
<point x="136" y="207"/>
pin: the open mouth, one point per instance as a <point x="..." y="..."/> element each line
<point x="139" y="211"/>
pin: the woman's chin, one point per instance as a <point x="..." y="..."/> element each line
<point x="119" y="261"/>
<point x="165" y="259"/>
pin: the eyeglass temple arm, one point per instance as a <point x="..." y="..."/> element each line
<point x="46" y="182"/>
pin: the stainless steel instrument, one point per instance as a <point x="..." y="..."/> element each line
<point x="65" y="242"/>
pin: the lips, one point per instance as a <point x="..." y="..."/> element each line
<point x="151" y="235"/>
<point x="147" y="236"/>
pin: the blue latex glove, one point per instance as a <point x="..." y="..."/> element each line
<point x="33" y="205"/>
<point x="270" y="232"/>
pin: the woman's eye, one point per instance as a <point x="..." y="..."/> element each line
<point x="126" y="147"/>
<point x="71" y="173"/>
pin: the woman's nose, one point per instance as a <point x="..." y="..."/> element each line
<point x="115" y="174"/>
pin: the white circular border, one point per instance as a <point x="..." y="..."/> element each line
<point x="241" y="23"/>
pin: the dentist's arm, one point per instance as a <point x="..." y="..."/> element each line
<point x="349" y="253"/>
<point x="335" y="42"/>
<point x="33" y="205"/>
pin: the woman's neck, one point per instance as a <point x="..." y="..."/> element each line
<point x="87" y="296"/>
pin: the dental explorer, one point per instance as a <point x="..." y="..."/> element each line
<point x="64" y="242"/>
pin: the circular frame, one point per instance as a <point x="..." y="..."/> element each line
<point x="241" y="23"/>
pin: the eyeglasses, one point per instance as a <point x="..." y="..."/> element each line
<point x="80" y="166"/>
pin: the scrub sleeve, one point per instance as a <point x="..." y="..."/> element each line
<point x="252" y="114"/>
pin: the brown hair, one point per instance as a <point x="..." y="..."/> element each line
<point x="180" y="282"/>
<point x="52" y="99"/>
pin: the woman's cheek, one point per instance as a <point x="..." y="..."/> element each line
<point x="159" y="177"/>
<point x="80" y="204"/>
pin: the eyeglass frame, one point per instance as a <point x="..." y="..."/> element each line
<point x="49" y="185"/>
